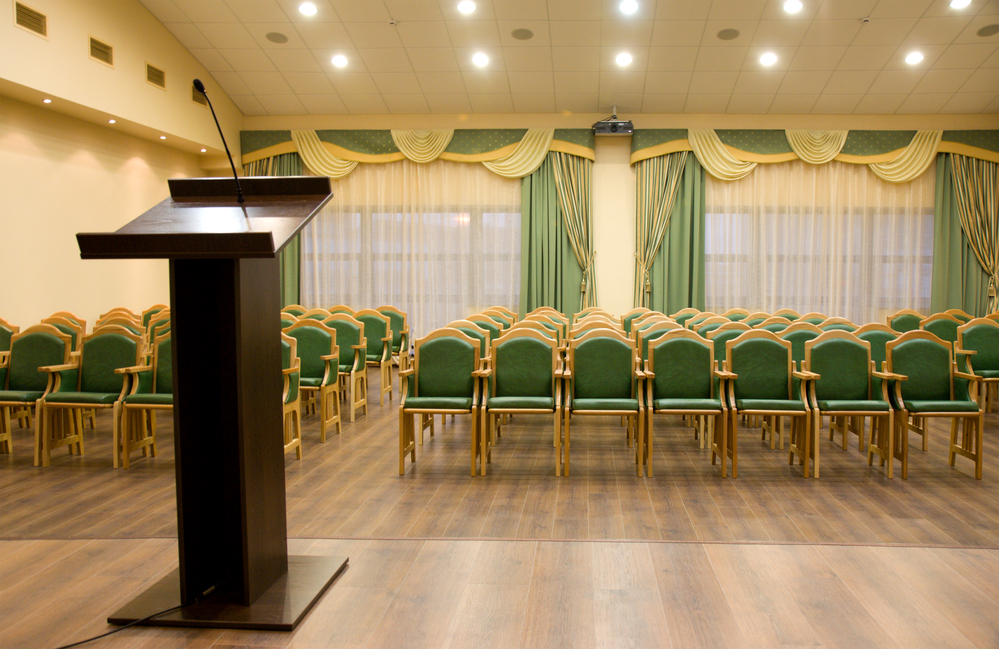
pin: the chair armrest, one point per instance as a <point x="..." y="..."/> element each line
<point x="649" y="374"/>
<point x="362" y="346"/>
<point x="805" y="375"/>
<point x="289" y="370"/>
<point x="330" y="357"/>
<point x="725" y="374"/>
<point x="486" y="372"/>
<point x="964" y="375"/>
<point x="966" y="352"/>
<point x="4" y="358"/>
<point x="890" y="376"/>
<point x="639" y="374"/>
<point x="566" y="374"/>
<point x="134" y="369"/>
<point x="58" y="368"/>
<point x="387" y="339"/>
<point x="409" y="371"/>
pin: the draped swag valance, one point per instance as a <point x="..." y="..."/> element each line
<point x="895" y="156"/>
<point x="512" y="153"/>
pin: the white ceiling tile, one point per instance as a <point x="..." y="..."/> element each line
<point x="385" y="60"/>
<point x="682" y="10"/>
<point x="970" y="33"/>
<point x="608" y="56"/>
<point x="667" y="83"/>
<point x="543" y="103"/>
<point x="398" y="83"/>
<point x="706" y="103"/>
<point x="799" y="82"/>
<point x="746" y="29"/>
<point x="900" y="9"/>
<point x="576" y="103"/>
<point x="483" y="11"/>
<point x="325" y="12"/>
<point x="626" y="34"/>
<point x="531" y="83"/>
<point x="324" y="36"/>
<point x="449" y="104"/>
<point x="212" y="60"/>
<point x="364" y="104"/>
<point x="266" y="83"/>
<point x="750" y="103"/>
<point x="414" y="10"/>
<point x="993" y="107"/>
<point x="257" y="11"/>
<point x="259" y="33"/>
<point x="248" y="104"/>
<point x="845" y="9"/>
<point x="831" y="32"/>
<point x="780" y="33"/>
<point x="577" y="83"/>
<point x="992" y="61"/>
<point x="309" y="83"/>
<point x="672" y="58"/>
<point x="817" y="58"/>
<point x="836" y="104"/>
<point x="406" y="104"/>
<point x="520" y="10"/>
<point x="574" y="10"/>
<point x="374" y="35"/>
<point x="612" y="11"/>
<point x="576" y="58"/>
<point x="677" y="33"/>
<point x="620" y="82"/>
<point x="206" y="11"/>
<point x="720" y="58"/>
<point x="924" y="104"/>
<point x="502" y="103"/>
<point x="433" y="59"/>
<point x="231" y="82"/>
<point x="282" y="104"/>
<point x="884" y="32"/>
<point x="985" y="80"/>
<point x="189" y="35"/>
<point x="227" y="35"/>
<point x="165" y="11"/>
<point x="443" y="83"/>
<point x="960" y="56"/>
<point x="895" y="82"/>
<point x="935" y="81"/>
<point x="793" y="104"/>
<point x="541" y="36"/>
<point x="527" y="58"/>
<point x="774" y="10"/>
<point x="464" y="57"/>
<point x="663" y="103"/>
<point x="625" y="103"/>
<point x="248" y="60"/>
<point x="326" y="104"/>
<point x="879" y="104"/>
<point x="758" y="82"/>
<point x="352" y="83"/>
<point x="973" y="102"/>
<point x="361" y="11"/>
<point x="423" y="34"/>
<point x="483" y="33"/>
<point x="866" y="58"/>
<point x="575" y="33"/>
<point x="936" y="30"/>
<point x="713" y="83"/>
<point x="736" y="9"/>
<point x="486" y="82"/>
<point x="850" y="82"/>
<point x="294" y="60"/>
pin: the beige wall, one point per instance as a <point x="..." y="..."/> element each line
<point x="614" y="224"/>
<point x="59" y="176"/>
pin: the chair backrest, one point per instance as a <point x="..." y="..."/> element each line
<point x="547" y="309"/>
<point x="377" y="327"/>
<point x="349" y="332"/>
<point x="813" y="317"/>
<point x="697" y="319"/>
<point x="540" y="327"/>
<point x="762" y="362"/>
<point x="682" y="362"/>
<point x="628" y="317"/>
<point x="754" y="319"/>
<point x="102" y="352"/>
<point x="774" y="323"/>
<point x="340" y="308"/>
<point x="905" y="320"/>
<point x="654" y="331"/>
<point x="685" y="314"/>
<point x="6" y="331"/>
<point x="878" y="335"/>
<point x="524" y="364"/>
<point x="982" y="336"/>
<point x="148" y="314"/>
<point x="314" y="340"/>
<point x="843" y="362"/>
<point x="710" y="324"/>
<point x="120" y="312"/>
<point x="647" y="320"/>
<point x="398" y="322"/>
<point x="602" y="363"/>
<point x="444" y="364"/>
<point x="315" y="314"/>
<point x="798" y="334"/>
<point x="602" y="317"/>
<point x="295" y="309"/>
<point x="590" y="310"/>
<point x="486" y="323"/>
<point x="735" y="315"/>
<point x="927" y="361"/>
<point x="723" y="334"/>
<point x="547" y="323"/>
<point x="158" y="325"/>
<point x="478" y="332"/>
<point x="163" y="365"/>
<point x="594" y="324"/>
<point x="66" y="326"/>
<point x="790" y="314"/>
<point x="837" y="324"/>
<point x="511" y="315"/>
<point x="123" y="321"/>
<point x="960" y="315"/>
<point x="37" y="346"/>
<point x="72" y="318"/>
<point x="942" y="325"/>
<point x="993" y="316"/>
<point x="287" y="320"/>
<point x="502" y="317"/>
<point x="290" y="359"/>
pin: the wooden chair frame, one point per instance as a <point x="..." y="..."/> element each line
<point x="292" y="409"/>
<point x="939" y="317"/>
<point x="986" y="400"/>
<point x="736" y="311"/>
<point x="384" y="363"/>
<point x="838" y="321"/>
<point x="327" y="392"/>
<point x="136" y="427"/>
<point x="813" y="315"/>
<point x="775" y="319"/>
<point x="902" y="312"/>
<point x="356" y="379"/>
<point x="784" y="313"/>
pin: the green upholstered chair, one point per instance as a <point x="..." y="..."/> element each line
<point x="929" y="384"/>
<point x="709" y="324"/>
<point x="119" y="314"/>
<point x="756" y="318"/>
<point x="315" y="314"/>
<point x="798" y="333"/>
<point x="22" y="384"/>
<point x="555" y="318"/>
<point x="774" y="324"/>
<point x="735" y="315"/>
<point x="291" y="395"/>
<point x="813" y="317"/>
<point x="760" y="383"/>
<point x="548" y="330"/>
<point x="341" y="308"/>
<point x="6" y="331"/>
<point x="525" y="378"/>
<point x="844" y="393"/>
<point x="681" y="379"/>
<point x="487" y="323"/>
<point x="509" y="313"/>
<point x="905" y="320"/>
<point x="151" y="312"/>
<point x="444" y="379"/>
<point x="504" y="319"/>
<point x="683" y="315"/>
<point x="878" y="335"/>
<point x="319" y="361"/>
<point x="790" y="314"/>
<point x="628" y="317"/>
<point x="648" y="335"/>
<point x="553" y="325"/>
<point x="722" y="335"/>
<point x="67" y="326"/>
<point x="150" y="389"/>
<point x="589" y="311"/>
<point x="942" y="325"/>
<point x="981" y="335"/>
<point x="378" y="332"/>
<point x="88" y="381"/>
<point x="295" y="309"/>
<point x="288" y="319"/>
<point x="603" y="378"/>
<point x="645" y="318"/>
<point x="72" y="317"/>
<point x="123" y="321"/>
<point x="592" y="324"/>
<point x="353" y="349"/>
<point x="960" y="315"/>
<point x="478" y="332"/>
<point x="694" y="322"/>
<point x="837" y="324"/>
<point x="399" y="323"/>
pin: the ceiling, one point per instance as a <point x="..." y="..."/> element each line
<point x="415" y="56"/>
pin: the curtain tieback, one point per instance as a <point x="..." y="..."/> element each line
<point x="644" y="270"/>
<point x="586" y="271"/>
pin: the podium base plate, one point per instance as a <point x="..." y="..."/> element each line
<point x="280" y="608"/>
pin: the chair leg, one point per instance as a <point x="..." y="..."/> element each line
<point x="733" y="439"/>
<point x="558" y="439"/>
<point x="564" y="459"/>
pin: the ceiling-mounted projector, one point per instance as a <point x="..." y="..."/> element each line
<point x="613" y="126"/>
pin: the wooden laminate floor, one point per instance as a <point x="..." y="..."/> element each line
<point x="521" y="558"/>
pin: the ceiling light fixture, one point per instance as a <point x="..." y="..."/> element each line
<point x="46" y="101"/>
<point x="959" y="4"/>
<point x="792" y="6"/>
<point x="623" y="59"/>
<point x="480" y="59"/>
<point x="768" y="59"/>
<point x="339" y="60"/>
<point x="111" y="121"/>
<point x="308" y="9"/>
<point x="628" y="6"/>
<point x="913" y="58"/>
<point x="466" y="6"/>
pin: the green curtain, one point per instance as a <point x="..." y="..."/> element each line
<point x="958" y="279"/>
<point x="657" y="182"/>
<point x="289" y="259"/>
<point x="677" y="274"/>
<point x="574" y="180"/>
<point x="549" y="274"/>
<point x="978" y="205"/>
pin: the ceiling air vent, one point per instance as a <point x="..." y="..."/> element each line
<point x="33" y="21"/>
<point x="156" y="76"/>
<point x="101" y="52"/>
<point x="197" y="97"/>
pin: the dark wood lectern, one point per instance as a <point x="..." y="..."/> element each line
<point x="225" y="305"/>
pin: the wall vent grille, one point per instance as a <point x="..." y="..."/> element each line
<point x="156" y="76"/>
<point x="33" y="21"/>
<point x="197" y="97"/>
<point x="100" y="51"/>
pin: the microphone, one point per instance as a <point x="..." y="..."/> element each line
<point x="200" y="87"/>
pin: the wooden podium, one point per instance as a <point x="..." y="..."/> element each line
<point x="227" y="383"/>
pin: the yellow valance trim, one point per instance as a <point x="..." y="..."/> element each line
<point x="317" y="158"/>
<point x="968" y="150"/>
<point x="528" y="155"/>
<point x="480" y="157"/>
<point x="715" y="156"/>
<point x="424" y="145"/>
<point x="660" y="149"/>
<point x="816" y="147"/>
<point x="915" y="158"/>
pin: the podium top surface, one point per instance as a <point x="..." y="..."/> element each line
<point x="202" y="220"/>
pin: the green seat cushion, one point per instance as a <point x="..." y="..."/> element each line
<point x="149" y="400"/>
<point x="438" y="403"/>
<point x="987" y="374"/>
<point x="374" y="358"/>
<point x="310" y="382"/>
<point x="605" y="404"/>
<point x="20" y="396"/>
<point x="345" y="369"/>
<point x="687" y="404"/>
<point x="784" y="405"/>
<point x="847" y="405"/>
<point x="941" y="406"/>
<point x="535" y="403"/>
<point x="82" y="397"/>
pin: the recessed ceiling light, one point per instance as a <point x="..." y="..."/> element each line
<point x="959" y="4"/>
<point x="628" y="6"/>
<point x="768" y="59"/>
<point x="339" y="60"/>
<point x="466" y="6"/>
<point x="480" y="59"/>
<point x="623" y="59"/>
<point x="46" y="101"/>
<point x="792" y="6"/>
<point x="111" y="121"/>
<point x="162" y="137"/>
<point x="308" y="9"/>
<point x="204" y="150"/>
<point x="913" y="58"/>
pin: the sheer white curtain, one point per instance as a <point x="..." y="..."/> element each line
<point x="832" y="238"/>
<point x="439" y="241"/>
